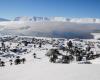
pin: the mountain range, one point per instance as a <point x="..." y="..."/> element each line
<point x="2" y="19"/>
<point x="53" y="19"/>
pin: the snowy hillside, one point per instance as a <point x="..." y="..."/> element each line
<point x="40" y="67"/>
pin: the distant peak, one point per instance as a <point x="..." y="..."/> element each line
<point x="2" y="19"/>
<point x="62" y="19"/>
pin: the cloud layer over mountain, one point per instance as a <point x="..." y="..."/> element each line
<point x="57" y="29"/>
<point x="25" y="26"/>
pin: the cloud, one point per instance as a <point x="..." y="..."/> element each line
<point x="28" y="28"/>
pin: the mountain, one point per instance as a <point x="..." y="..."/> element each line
<point x="2" y="19"/>
<point x="54" y="19"/>
<point x="25" y="18"/>
<point x="58" y="19"/>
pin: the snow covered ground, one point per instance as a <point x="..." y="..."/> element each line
<point x="42" y="69"/>
<point x="34" y="71"/>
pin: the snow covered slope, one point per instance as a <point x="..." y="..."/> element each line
<point x="31" y="71"/>
<point x="42" y="69"/>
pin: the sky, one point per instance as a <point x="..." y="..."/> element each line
<point x="66" y="8"/>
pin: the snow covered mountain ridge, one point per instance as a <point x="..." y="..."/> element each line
<point x="2" y="19"/>
<point x="55" y="19"/>
<point x="62" y="19"/>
